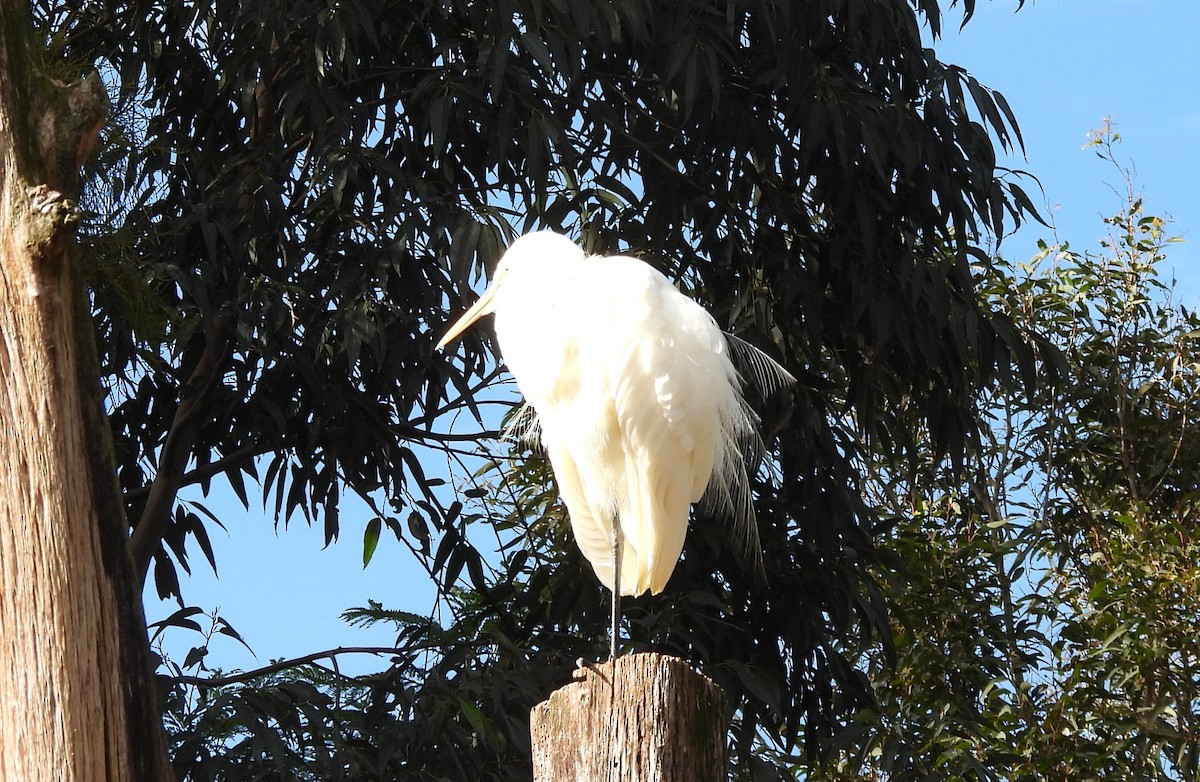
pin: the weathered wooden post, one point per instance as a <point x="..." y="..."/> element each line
<point x="641" y="718"/>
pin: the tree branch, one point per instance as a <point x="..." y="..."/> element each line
<point x="178" y="448"/>
<point x="267" y="670"/>
<point x="413" y="433"/>
<point x="206" y="471"/>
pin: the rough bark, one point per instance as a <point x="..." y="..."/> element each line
<point x="77" y="696"/>
<point x="642" y="718"/>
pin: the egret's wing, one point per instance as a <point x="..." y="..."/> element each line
<point x="654" y="522"/>
<point x="660" y="357"/>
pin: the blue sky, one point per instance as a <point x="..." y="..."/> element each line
<point x="1063" y="65"/>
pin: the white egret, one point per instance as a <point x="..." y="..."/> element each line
<point x="639" y="404"/>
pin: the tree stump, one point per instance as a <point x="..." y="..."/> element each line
<point x="643" y="718"/>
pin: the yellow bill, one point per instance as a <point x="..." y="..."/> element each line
<point x="477" y="311"/>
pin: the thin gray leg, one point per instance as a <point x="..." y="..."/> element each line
<point x="616" y="595"/>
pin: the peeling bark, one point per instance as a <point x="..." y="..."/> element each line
<point x="76" y="686"/>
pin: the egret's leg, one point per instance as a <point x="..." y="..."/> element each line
<point x="616" y="595"/>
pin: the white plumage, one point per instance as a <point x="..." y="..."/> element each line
<point x="639" y="405"/>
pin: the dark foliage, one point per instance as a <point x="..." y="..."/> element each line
<point x="302" y="192"/>
<point x="1046" y="623"/>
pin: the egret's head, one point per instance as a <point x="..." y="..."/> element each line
<point x="523" y="260"/>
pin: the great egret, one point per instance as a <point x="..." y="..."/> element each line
<point x="639" y="404"/>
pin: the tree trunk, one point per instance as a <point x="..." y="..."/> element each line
<point x="642" y="718"/>
<point x="77" y="695"/>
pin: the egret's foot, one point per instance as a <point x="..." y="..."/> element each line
<point x="582" y="667"/>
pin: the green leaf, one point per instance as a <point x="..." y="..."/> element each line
<point x="371" y="539"/>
